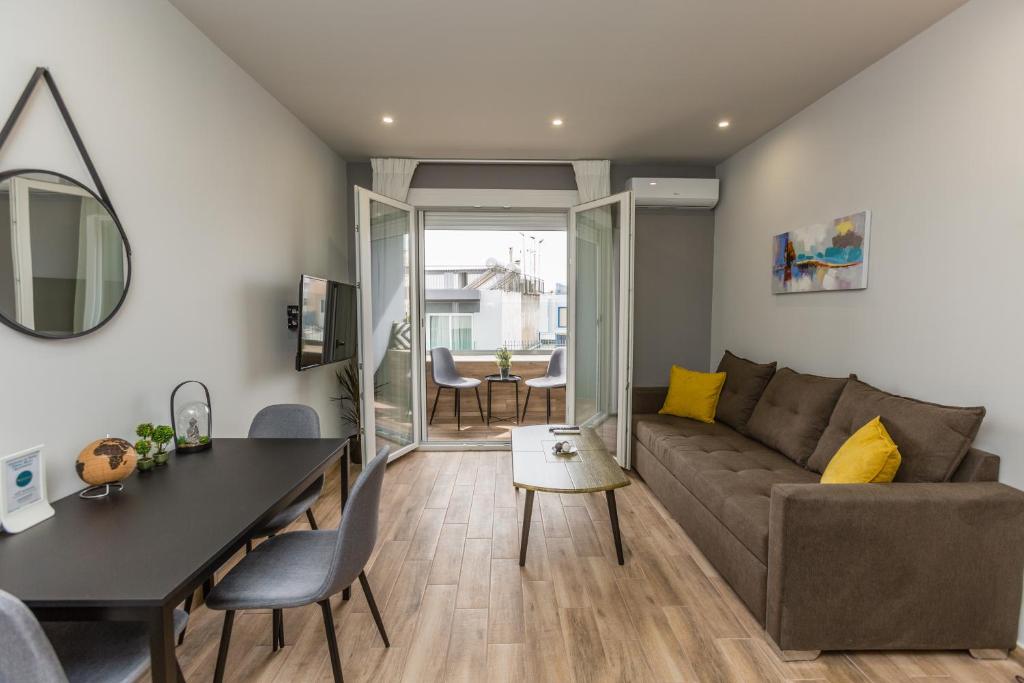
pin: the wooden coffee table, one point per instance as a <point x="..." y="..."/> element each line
<point x="590" y="470"/>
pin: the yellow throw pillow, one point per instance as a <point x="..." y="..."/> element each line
<point x="693" y="394"/>
<point x="869" y="456"/>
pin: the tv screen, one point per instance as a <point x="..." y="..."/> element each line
<point x="327" y="322"/>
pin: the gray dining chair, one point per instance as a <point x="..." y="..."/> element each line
<point x="446" y="376"/>
<point x="76" y="652"/>
<point x="288" y="421"/>
<point x="300" y="568"/>
<point x="281" y="421"/>
<point x="554" y="378"/>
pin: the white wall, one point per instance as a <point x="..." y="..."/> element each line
<point x="931" y="140"/>
<point x="225" y="198"/>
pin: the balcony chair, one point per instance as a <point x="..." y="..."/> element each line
<point x="554" y="378"/>
<point x="446" y="376"/>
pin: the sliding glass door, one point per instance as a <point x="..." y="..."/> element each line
<point x="389" y="338"/>
<point x="600" y="319"/>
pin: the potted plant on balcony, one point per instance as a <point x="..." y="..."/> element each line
<point x="504" y="357"/>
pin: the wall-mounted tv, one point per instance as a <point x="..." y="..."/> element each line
<point x="328" y="327"/>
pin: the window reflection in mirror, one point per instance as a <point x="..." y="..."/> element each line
<point x="63" y="262"/>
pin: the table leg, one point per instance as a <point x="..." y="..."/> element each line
<point x="164" y="665"/>
<point x="489" y="385"/>
<point x="527" y="513"/>
<point x="614" y="514"/>
<point x="517" y="403"/>
<point x="346" y="461"/>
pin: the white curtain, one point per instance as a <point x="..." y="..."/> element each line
<point x="593" y="179"/>
<point x="392" y="177"/>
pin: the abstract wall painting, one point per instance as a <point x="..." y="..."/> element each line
<point x="823" y="257"/>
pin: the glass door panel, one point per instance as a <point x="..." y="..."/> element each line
<point x="386" y="257"/>
<point x="600" y="333"/>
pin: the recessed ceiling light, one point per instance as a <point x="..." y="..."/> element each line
<point x="557" y="122"/>
<point x="724" y="123"/>
<point x="387" y="119"/>
<point x="652" y="183"/>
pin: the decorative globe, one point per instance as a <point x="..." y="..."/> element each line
<point x="105" y="461"/>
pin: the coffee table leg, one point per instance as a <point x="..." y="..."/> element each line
<point x="614" y="514"/>
<point x="517" y="402"/>
<point x="527" y="513"/>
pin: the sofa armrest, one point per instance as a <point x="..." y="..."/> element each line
<point x="895" y="566"/>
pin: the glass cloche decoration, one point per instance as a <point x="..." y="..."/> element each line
<point x="192" y="421"/>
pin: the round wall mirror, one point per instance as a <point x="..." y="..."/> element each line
<point x="64" y="259"/>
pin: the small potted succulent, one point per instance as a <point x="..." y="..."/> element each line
<point x="162" y="435"/>
<point x="143" y="446"/>
<point x="504" y="357"/>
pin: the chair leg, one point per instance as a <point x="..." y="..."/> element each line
<point x="478" y="404"/>
<point x="225" y="641"/>
<point x="434" y="410"/>
<point x="332" y="640"/>
<point x="548" y="413"/>
<point x="526" y="403"/>
<point x="373" y="608"/>
<point x="311" y="519"/>
<point x="277" y="631"/>
<point x="458" y="411"/>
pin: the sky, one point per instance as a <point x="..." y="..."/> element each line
<point x="474" y="247"/>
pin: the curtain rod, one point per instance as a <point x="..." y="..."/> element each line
<point x="566" y="162"/>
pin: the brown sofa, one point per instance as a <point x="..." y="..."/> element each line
<point x="932" y="561"/>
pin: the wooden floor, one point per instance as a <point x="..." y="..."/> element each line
<point x="459" y="608"/>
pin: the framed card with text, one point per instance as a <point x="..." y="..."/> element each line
<point x="23" y="500"/>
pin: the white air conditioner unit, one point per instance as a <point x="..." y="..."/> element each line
<point x="683" y="193"/>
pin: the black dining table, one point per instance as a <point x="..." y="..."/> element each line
<point x="137" y="554"/>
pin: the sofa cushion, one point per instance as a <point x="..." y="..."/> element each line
<point x="693" y="394"/>
<point x="745" y="381"/>
<point x="793" y="412"/>
<point x="932" y="438"/>
<point x="729" y="473"/>
<point x="869" y="456"/>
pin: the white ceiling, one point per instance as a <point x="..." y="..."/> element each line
<point x="641" y="80"/>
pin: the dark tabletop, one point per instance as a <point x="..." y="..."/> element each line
<point x="149" y="543"/>
<point x="499" y="378"/>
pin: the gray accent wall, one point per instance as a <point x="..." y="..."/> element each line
<point x="672" y="293"/>
<point x="674" y="254"/>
